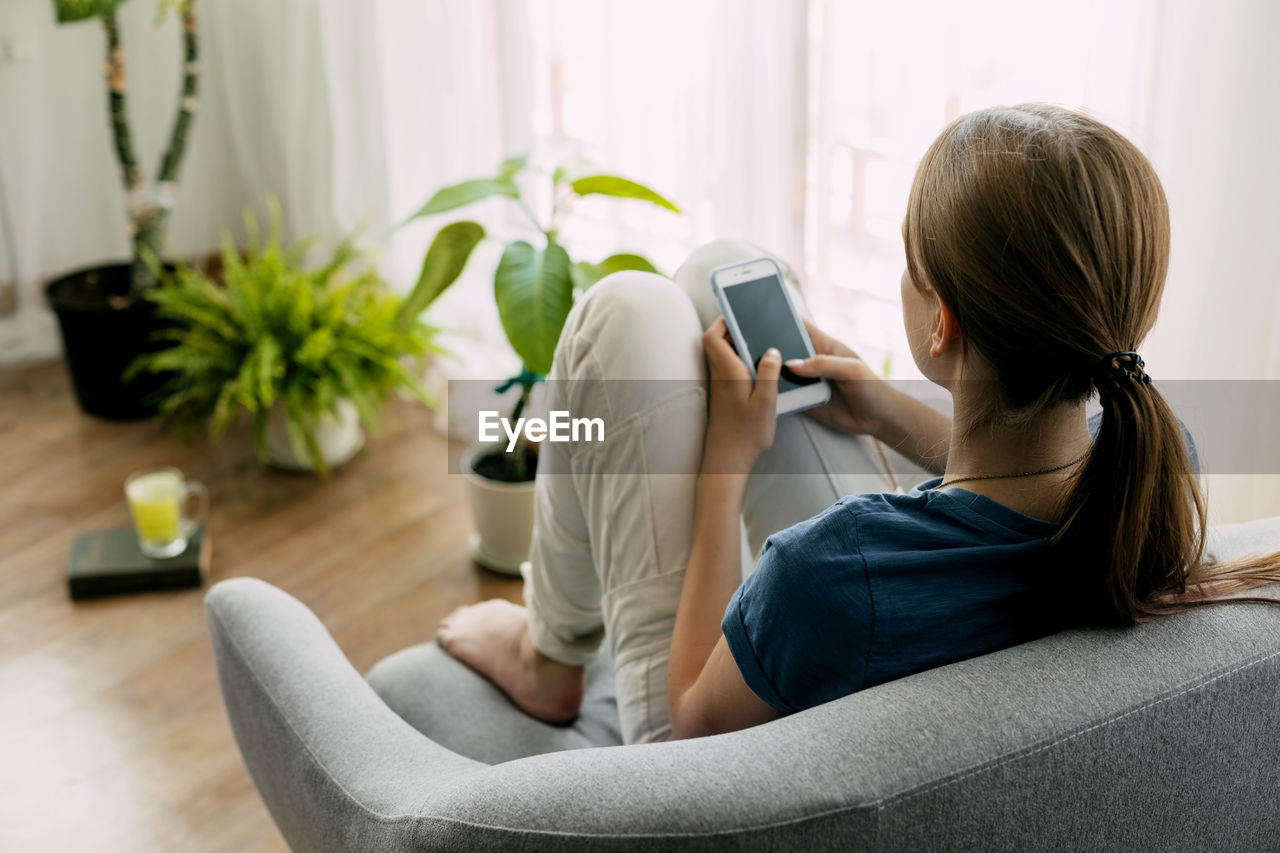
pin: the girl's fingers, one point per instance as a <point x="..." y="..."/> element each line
<point x="722" y="358"/>
<point x="815" y="334"/>
<point x="801" y="366"/>
<point x="769" y="368"/>
<point x="765" y="392"/>
<point x="825" y="344"/>
<point x="829" y="366"/>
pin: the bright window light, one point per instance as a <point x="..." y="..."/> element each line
<point x="798" y="124"/>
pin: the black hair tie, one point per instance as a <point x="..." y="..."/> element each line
<point x="1120" y="370"/>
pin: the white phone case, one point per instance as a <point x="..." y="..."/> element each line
<point x="797" y="399"/>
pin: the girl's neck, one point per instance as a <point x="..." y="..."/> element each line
<point x="1053" y="438"/>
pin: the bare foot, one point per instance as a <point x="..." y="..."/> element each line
<point x="493" y="639"/>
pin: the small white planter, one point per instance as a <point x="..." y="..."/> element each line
<point x="339" y="437"/>
<point x="502" y="514"/>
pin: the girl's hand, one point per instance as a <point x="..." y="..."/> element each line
<point x="741" y="417"/>
<point x="857" y="394"/>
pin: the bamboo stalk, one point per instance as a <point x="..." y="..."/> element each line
<point x="116" y="87"/>
<point x="187" y="99"/>
<point x="150" y="215"/>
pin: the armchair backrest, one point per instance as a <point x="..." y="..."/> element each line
<point x="1164" y="737"/>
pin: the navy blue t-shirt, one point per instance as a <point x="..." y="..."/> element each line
<point x="880" y="586"/>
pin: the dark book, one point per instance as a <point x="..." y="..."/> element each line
<point x="106" y="562"/>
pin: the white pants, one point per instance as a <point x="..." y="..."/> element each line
<point x="611" y="540"/>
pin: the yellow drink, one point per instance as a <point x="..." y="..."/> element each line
<point x="155" y="500"/>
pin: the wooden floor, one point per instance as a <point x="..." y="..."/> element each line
<point x="114" y="736"/>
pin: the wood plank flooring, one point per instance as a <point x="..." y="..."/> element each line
<point x="115" y="735"/>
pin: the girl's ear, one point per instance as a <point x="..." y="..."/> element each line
<point x="946" y="331"/>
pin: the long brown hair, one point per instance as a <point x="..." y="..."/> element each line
<point x="1047" y="235"/>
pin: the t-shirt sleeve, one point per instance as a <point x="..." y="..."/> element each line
<point x="800" y="626"/>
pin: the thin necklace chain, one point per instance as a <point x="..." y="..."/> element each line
<point x="1079" y="458"/>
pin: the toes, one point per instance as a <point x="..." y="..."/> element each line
<point x="452" y="617"/>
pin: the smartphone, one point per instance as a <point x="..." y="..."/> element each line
<point x="759" y="313"/>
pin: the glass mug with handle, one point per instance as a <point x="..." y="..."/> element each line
<point x="158" y="499"/>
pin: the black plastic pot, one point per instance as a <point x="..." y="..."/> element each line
<point x="103" y="330"/>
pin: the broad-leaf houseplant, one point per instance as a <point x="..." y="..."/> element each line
<point x="535" y="285"/>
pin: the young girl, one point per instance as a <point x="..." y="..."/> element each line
<point x="1037" y="242"/>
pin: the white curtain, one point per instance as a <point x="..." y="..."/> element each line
<point x="1214" y="135"/>
<point x="454" y="81"/>
<point x="301" y="110"/>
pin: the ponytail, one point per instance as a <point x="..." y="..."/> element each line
<point x="1047" y="235"/>
<point x="1134" y="518"/>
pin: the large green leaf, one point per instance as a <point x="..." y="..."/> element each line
<point x="586" y="274"/>
<point x="444" y="262"/>
<point x="534" y="292"/>
<point x="77" y="10"/>
<point x="612" y="185"/>
<point x="467" y="192"/>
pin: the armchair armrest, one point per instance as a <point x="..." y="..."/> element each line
<point x="337" y="768"/>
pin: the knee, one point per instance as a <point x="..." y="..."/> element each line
<point x="717" y="253"/>
<point x="633" y="291"/>
<point x="633" y="303"/>
<point x="694" y="275"/>
<point x="631" y="323"/>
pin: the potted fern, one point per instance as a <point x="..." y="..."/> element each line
<point x="104" y="319"/>
<point x="308" y="352"/>
<point x="534" y="286"/>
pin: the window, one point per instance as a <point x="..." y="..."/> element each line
<point x="794" y="124"/>
<point x="884" y="78"/>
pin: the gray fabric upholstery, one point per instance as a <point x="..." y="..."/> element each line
<point x="1164" y="737"/>
<point x="495" y="730"/>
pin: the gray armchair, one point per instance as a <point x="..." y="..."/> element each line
<point x="1164" y="737"/>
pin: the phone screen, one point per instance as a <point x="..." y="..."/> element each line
<point x="765" y="320"/>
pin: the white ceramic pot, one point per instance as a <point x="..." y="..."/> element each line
<point x="502" y="514"/>
<point x="339" y="436"/>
